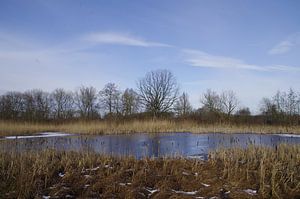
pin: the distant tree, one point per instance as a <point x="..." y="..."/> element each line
<point x="11" y="105"/>
<point x="279" y="100"/>
<point x="130" y="102"/>
<point x="229" y="102"/>
<point x="63" y="104"/>
<point x="158" y="91"/>
<point x="182" y="106"/>
<point x="291" y="105"/>
<point x="37" y="105"/>
<point x="86" y="102"/>
<point x="110" y="98"/>
<point x="211" y="102"/>
<point x="243" y="112"/>
<point x="267" y="107"/>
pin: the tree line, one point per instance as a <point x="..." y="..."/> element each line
<point x="156" y="95"/>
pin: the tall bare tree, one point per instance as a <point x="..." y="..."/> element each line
<point x="229" y="102"/>
<point x="211" y="101"/>
<point x="110" y="98"/>
<point x="86" y="102"/>
<point x="267" y="107"/>
<point x="182" y="106"/>
<point x="11" y="105"/>
<point x="158" y="91"/>
<point x="291" y="104"/>
<point x="130" y="102"/>
<point x="63" y="104"/>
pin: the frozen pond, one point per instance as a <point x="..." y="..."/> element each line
<point x="143" y="144"/>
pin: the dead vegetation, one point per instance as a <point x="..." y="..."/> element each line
<point x="256" y="172"/>
<point x="133" y="126"/>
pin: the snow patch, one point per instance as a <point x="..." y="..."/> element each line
<point x="288" y="135"/>
<point x="250" y="191"/>
<point x="40" y="135"/>
<point x="186" y="192"/>
<point x="152" y="191"/>
<point x="124" y="183"/>
<point x="198" y="157"/>
<point x="206" y="185"/>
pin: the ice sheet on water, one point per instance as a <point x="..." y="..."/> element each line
<point x="39" y="135"/>
<point x="288" y="135"/>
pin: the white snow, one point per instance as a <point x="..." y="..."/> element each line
<point x="124" y="183"/>
<point x="206" y="185"/>
<point x="186" y="192"/>
<point x="95" y="169"/>
<point x="92" y="169"/>
<point x="40" y="135"/>
<point x="288" y="135"/>
<point x="46" y="197"/>
<point x="87" y="176"/>
<point x="185" y="173"/>
<point x="199" y="157"/>
<point x="152" y="191"/>
<point x="250" y="191"/>
<point x="61" y="174"/>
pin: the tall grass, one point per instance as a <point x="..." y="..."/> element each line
<point x="150" y="126"/>
<point x="275" y="172"/>
<point x="272" y="172"/>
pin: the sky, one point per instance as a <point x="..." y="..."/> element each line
<point x="249" y="46"/>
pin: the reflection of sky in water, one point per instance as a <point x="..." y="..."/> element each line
<point x="151" y="145"/>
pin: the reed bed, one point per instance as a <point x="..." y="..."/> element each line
<point x="255" y="172"/>
<point x="149" y="126"/>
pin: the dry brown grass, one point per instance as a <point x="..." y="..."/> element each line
<point x="275" y="173"/>
<point x="149" y="126"/>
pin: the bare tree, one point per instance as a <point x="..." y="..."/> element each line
<point x="63" y="104"/>
<point x="279" y="100"/>
<point x="130" y="102"/>
<point x="110" y="98"/>
<point x="11" y="105"/>
<point x="158" y="91"/>
<point x="229" y="102"/>
<point x="211" y="101"/>
<point x="267" y="107"/>
<point x="182" y="106"/>
<point x="37" y="105"/>
<point x="86" y="102"/>
<point x="291" y="104"/>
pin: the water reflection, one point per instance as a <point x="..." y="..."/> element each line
<point x="150" y="145"/>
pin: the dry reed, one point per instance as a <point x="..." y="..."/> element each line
<point x="229" y="173"/>
<point x="149" y="126"/>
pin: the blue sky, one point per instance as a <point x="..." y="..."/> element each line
<point x="250" y="47"/>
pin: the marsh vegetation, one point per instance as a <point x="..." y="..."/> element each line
<point x="255" y="172"/>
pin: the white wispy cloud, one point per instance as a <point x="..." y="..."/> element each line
<point x="121" y="39"/>
<point x="286" y="45"/>
<point x="203" y="59"/>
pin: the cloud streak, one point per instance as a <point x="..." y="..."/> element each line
<point x="121" y="39"/>
<point x="286" y="45"/>
<point x="203" y="59"/>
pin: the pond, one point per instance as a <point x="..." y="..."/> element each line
<point x="142" y="144"/>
